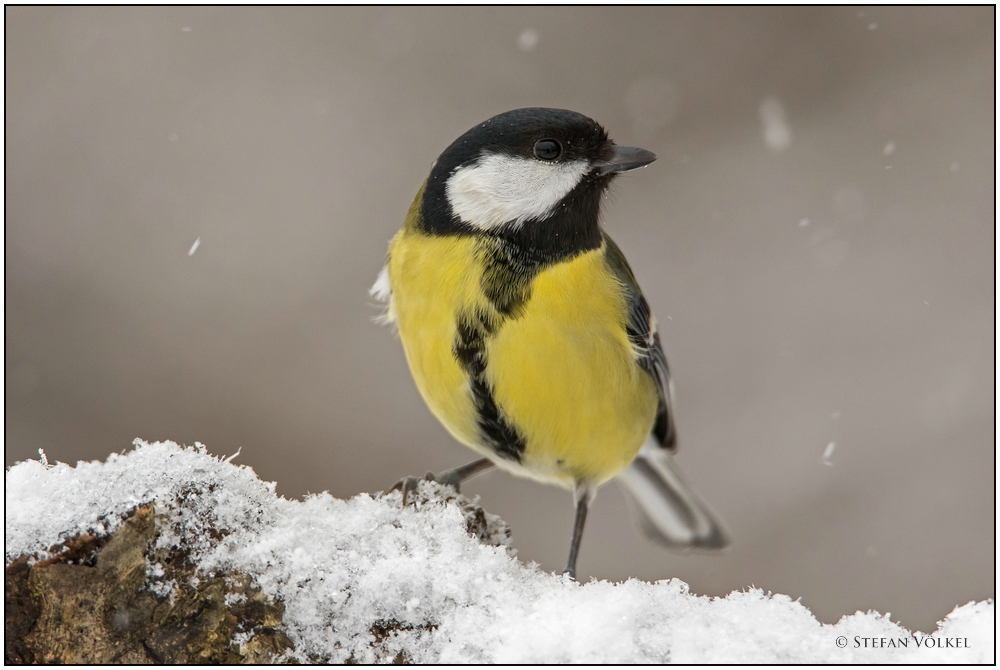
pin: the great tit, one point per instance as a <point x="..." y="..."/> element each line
<point x="524" y="328"/>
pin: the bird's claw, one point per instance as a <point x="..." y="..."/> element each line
<point x="409" y="484"/>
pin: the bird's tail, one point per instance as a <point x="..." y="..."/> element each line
<point x="672" y="514"/>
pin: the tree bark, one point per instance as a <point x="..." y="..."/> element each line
<point x="93" y="602"/>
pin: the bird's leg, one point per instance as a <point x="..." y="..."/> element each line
<point x="452" y="478"/>
<point x="456" y="476"/>
<point x="583" y="494"/>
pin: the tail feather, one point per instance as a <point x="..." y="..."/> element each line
<point x="672" y="514"/>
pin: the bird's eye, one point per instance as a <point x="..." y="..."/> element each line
<point x="547" y="150"/>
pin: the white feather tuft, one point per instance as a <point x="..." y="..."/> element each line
<point x="381" y="290"/>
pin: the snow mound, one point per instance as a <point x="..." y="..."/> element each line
<point x="343" y="568"/>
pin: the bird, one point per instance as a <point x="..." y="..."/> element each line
<point x="525" y="330"/>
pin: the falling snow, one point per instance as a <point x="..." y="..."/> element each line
<point x="528" y="39"/>
<point x="777" y="132"/>
<point x="828" y="453"/>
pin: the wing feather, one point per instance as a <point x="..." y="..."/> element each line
<point x="645" y="339"/>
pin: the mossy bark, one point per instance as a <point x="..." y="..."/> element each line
<point x="128" y="598"/>
<point x="92" y="602"/>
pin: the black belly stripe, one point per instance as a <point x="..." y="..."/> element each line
<point x="508" y="269"/>
<point x="469" y="348"/>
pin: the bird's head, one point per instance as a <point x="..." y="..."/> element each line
<point x="527" y="168"/>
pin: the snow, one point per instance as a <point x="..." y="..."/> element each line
<point x="342" y="566"/>
<point x="194" y="247"/>
<point x="528" y="39"/>
<point x="828" y="453"/>
<point x="777" y="132"/>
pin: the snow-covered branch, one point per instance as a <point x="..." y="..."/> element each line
<point x="178" y="556"/>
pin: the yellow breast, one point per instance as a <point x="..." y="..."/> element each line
<point x="433" y="278"/>
<point x="562" y="372"/>
<point x="566" y="374"/>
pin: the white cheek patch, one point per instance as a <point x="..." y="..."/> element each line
<point x="501" y="189"/>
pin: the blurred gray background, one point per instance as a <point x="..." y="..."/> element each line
<point x="816" y="239"/>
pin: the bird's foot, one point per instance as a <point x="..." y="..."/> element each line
<point x="451" y="478"/>
<point x="408" y="485"/>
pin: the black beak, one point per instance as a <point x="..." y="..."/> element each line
<point x="623" y="159"/>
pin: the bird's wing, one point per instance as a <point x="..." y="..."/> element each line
<point x="645" y="338"/>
